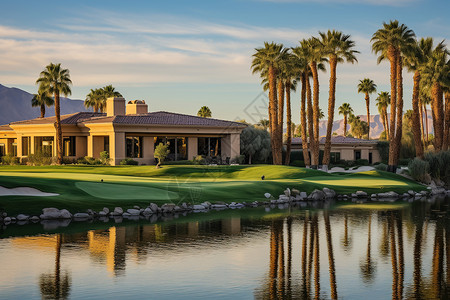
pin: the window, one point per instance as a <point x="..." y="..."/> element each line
<point x="177" y="147"/>
<point x="26" y="145"/>
<point x="106" y="143"/>
<point x="13" y="149"/>
<point x="2" y="150"/>
<point x="209" y="146"/>
<point x="69" y="146"/>
<point x="134" y="146"/>
<point x="44" y="145"/>
<point x="335" y="157"/>
<point x="357" y="154"/>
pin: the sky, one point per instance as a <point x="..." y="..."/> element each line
<point x="181" y="55"/>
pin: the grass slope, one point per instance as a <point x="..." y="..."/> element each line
<point x="80" y="187"/>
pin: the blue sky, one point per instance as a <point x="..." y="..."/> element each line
<point x="180" y="55"/>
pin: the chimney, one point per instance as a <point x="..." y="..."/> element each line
<point x="136" y="107"/>
<point x="115" y="106"/>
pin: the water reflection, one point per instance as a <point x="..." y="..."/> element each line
<point x="378" y="250"/>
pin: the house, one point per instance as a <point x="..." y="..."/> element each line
<point x="346" y="148"/>
<point x="125" y="131"/>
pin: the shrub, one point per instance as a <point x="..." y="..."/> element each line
<point x="198" y="160"/>
<point x="418" y="169"/>
<point x="439" y="165"/>
<point x="161" y="152"/>
<point x="104" y="157"/>
<point x="238" y="159"/>
<point x="383" y="148"/>
<point x="128" y="162"/>
<point x="88" y="160"/>
<point x="362" y="162"/>
<point x="179" y="162"/>
<point x="298" y="163"/>
<point x="381" y="167"/>
<point x="10" y="159"/>
<point x="404" y="161"/>
<point x="39" y="159"/>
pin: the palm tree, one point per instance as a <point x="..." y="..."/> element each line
<point x="338" y="47"/>
<point x="345" y="109"/>
<point x="390" y="41"/>
<point x="110" y="91"/>
<point x="204" y="112"/>
<point x="321" y="114"/>
<point x="267" y="61"/>
<point x="367" y="86"/>
<point x="264" y="123"/>
<point x="425" y="99"/>
<point x="42" y="99"/>
<point x="55" y="80"/>
<point x="96" y="99"/>
<point x="383" y="101"/>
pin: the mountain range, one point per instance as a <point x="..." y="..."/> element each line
<point x="16" y="106"/>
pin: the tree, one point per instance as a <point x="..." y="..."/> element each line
<point x="367" y="86"/>
<point x="110" y="91"/>
<point x="358" y="127"/>
<point x="390" y="42"/>
<point x="383" y="101"/>
<point x="345" y="110"/>
<point x="97" y="97"/>
<point x="41" y="99"/>
<point x="161" y="152"/>
<point x="266" y="61"/>
<point x="255" y="144"/>
<point x="204" y="112"/>
<point x="264" y="123"/>
<point x="338" y="47"/>
<point x="55" y="80"/>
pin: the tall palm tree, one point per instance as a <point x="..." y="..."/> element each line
<point x="338" y="47"/>
<point x="345" y="109"/>
<point x="267" y="60"/>
<point x="367" y="86"/>
<point x="110" y="91"/>
<point x="55" y="80"/>
<point x="383" y="101"/>
<point x="204" y="112"/>
<point x="425" y="99"/>
<point x="96" y="99"/>
<point x="41" y="99"/>
<point x="390" y="41"/>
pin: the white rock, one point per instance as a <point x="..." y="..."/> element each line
<point x="118" y="211"/>
<point x="126" y="215"/>
<point x="268" y="195"/>
<point x="22" y="217"/>
<point x="287" y="192"/>
<point x="81" y="215"/>
<point x="295" y="192"/>
<point x="147" y="211"/>
<point x="102" y="213"/>
<point x="361" y="194"/>
<point x="133" y="212"/>
<point x="34" y="218"/>
<point x="304" y="195"/>
<point x="206" y="204"/>
<point x="283" y="197"/>
<point x="219" y="206"/>
<point x="198" y="207"/>
<point x="7" y="220"/>
<point x="65" y="214"/>
<point x="106" y="210"/>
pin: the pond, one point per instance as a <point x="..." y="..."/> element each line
<point x="345" y="250"/>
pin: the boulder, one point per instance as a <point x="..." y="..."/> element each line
<point x="7" y="220"/>
<point x="206" y="204"/>
<point x="198" y="207"/>
<point x="283" y="198"/>
<point x="22" y="217"/>
<point x="295" y="192"/>
<point x="219" y="206"/>
<point x="168" y="207"/>
<point x="106" y="210"/>
<point x="184" y="206"/>
<point x="361" y="194"/>
<point x="329" y="193"/>
<point x="50" y="213"/>
<point x="154" y="207"/>
<point x="411" y="193"/>
<point x="118" y="211"/>
<point x="91" y="212"/>
<point x="317" y="195"/>
<point x="177" y="208"/>
<point x="235" y="205"/>
<point x="303" y="195"/>
<point x="126" y="215"/>
<point x="136" y="207"/>
<point x="287" y="192"/>
<point x="147" y="211"/>
<point x="34" y="219"/>
<point x="81" y="216"/>
<point x="65" y="214"/>
<point x="268" y="195"/>
<point x="102" y="213"/>
<point x="134" y="212"/>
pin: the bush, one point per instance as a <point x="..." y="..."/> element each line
<point x="179" y="162"/>
<point x="238" y="159"/>
<point x="439" y="165"/>
<point x="383" y="149"/>
<point x="87" y="160"/>
<point x="381" y="167"/>
<point x="39" y="159"/>
<point x="298" y="163"/>
<point x="418" y="169"/>
<point x="362" y="162"/>
<point x="128" y="162"/>
<point x="10" y="160"/>
<point x="198" y="160"/>
<point x="104" y="157"/>
<point x="404" y="161"/>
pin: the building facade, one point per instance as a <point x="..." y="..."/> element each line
<point x="124" y="131"/>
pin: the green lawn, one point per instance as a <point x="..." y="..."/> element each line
<point x="81" y="187"/>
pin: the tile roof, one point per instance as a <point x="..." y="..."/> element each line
<point x="5" y="128"/>
<point x="165" y="118"/>
<point x="65" y="119"/>
<point x="339" y="140"/>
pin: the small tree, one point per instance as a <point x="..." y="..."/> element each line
<point x="204" y="112"/>
<point x="161" y="152"/>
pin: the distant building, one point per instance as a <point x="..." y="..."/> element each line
<point x="125" y="131"/>
<point x="346" y="148"/>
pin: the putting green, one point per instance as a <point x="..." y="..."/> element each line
<point x="121" y="191"/>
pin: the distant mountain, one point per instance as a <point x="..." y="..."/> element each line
<point x="376" y="125"/>
<point x="15" y="105"/>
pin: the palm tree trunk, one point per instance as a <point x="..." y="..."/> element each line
<point x="273" y="267"/>
<point x="59" y="145"/>
<point x="422" y="129"/>
<point x="426" y="121"/>
<point x="345" y="125"/>
<point x="310" y="120"/>
<point x="368" y="114"/>
<point x="417" y="278"/>
<point x="446" y="141"/>
<point x="273" y="113"/>
<point x="415" y="116"/>
<point x="386" y="121"/>
<point x="42" y="110"/>
<point x="331" y="104"/>
<point x="316" y="258"/>
<point x="315" y="148"/>
<point x="401" y="264"/>
<point x="288" y="123"/>
<point x="303" y="122"/>
<point x="392" y="56"/>
<point x="280" y="120"/>
<point x="438" y="115"/>
<point x="383" y="121"/>
<point x="304" y="260"/>
<point x="333" y="288"/>
<point x="398" y="133"/>
<point x="393" y="257"/>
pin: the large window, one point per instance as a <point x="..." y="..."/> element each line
<point x="177" y="147"/>
<point x="2" y="150"/>
<point x="357" y="154"/>
<point x="26" y="145"/>
<point x="209" y="146"/>
<point x="69" y="146"/>
<point x="335" y="157"/>
<point x="44" y="145"/>
<point x="134" y="146"/>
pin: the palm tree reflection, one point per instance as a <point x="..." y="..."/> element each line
<point x="368" y="266"/>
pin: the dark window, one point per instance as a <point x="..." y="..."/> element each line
<point x="2" y="150"/>
<point x="26" y="145"/>
<point x="134" y="146"/>
<point x="370" y="157"/>
<point x="106" y="143"/>
<point x="209" y="146"/>
<point x="44" y="145"/>
<point x="69" y="146"/>
<point x="13" y="149"/>
<point x="177" y="147"/>
<point x="335" y="157"/>
<point x="357" y="154"/>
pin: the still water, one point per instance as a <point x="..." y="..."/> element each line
<point x="344" y="250"/>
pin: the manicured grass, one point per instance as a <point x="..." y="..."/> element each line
<point x="80" y="187"/>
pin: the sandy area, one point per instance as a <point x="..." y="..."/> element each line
<point x="23" y="191"/>
<point x="351" y="170"/>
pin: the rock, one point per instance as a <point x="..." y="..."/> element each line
<point x="373" y="196"/>
<point x="106" y="210"/>
<point x="329" y="193"/>
<point x="102" y="213"/>
<point x="50" y="213"/>
<point x="235" y="205"/>
<point x="411" y="193"/>
<point x="118" y="211"/>
<point x="90" y="212"/>
<point x="283" y="198"/>
<point x="134" y="212"/>
<point x="317" y="195"/>
<point x="303" y="195"/>
<point x="7" y="220"/>
<point x="34" y="219"/>
<point x="81" y="216"/>
<point x="206" y="204"/>
<point x="198" y="207"/>
<point x="184" y="206"/>
<point x="126" y="215"/>
<point x="423" y="193"/>
<point x="361" y="194"/>
<point x="268" y="195"/>
<point x="177" y="209"/>
<point x="154" y="207"/>
<point x="22" y="217"/>
<point x="65" y="214"/>
<point x="4" y="214"/>
<point x="287" y="192"/>
<point x="136" y="207"/>
<point x="437" y="191"/>
<point x="147" y="211"/>
<point x="295" y="192"/>
<point x="168" y="207"/>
